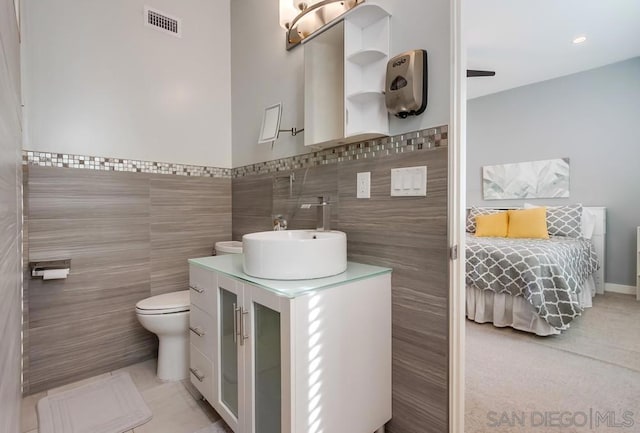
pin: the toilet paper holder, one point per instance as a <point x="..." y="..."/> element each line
<point x="50" y="269"/>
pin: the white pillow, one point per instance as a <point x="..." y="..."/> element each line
<point x="588" y="223"/>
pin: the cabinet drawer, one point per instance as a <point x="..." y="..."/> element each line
<point x="201" y="373"/>
<point x="202" y="331"/>
<point x="226" y="283"/>
<point x="202" y="285"/>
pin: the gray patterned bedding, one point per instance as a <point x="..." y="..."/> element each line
<point x="547" y="273"/>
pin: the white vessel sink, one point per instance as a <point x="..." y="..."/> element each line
<point x="294" y="254"/>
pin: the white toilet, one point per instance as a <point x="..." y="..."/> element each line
<point x="167" y="316"/>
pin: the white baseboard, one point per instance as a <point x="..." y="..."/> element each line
<point x="620" y="288"/>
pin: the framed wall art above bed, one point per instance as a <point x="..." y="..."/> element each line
<point x="526" y="180"/>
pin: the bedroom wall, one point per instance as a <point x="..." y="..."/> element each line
<point x="590" y="117"/>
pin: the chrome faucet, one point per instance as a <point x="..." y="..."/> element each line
<point x="279" y="223"/>
<point x="323" y="222"/>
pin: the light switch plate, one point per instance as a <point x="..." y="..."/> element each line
<point x="363" y="185"/>
<point x="409" y="181"/>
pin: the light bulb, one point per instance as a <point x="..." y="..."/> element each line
<point x="332" y="11"/>
<point x="287" y="13"/>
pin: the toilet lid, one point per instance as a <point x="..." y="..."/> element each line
<point x="233" y="247"/>
<point x="173" y="302"/>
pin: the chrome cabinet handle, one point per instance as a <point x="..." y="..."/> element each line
<point x="236" y="309"/>
<point x="197" y="289"/>
<point x="199" y="332"/>
<point x="197" y="374"/>
<point x="243" y="337"/>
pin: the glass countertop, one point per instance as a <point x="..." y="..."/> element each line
<point x="231" y="265"/>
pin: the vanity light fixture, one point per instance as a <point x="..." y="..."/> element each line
<point x="579" y="39"/>
<point x="302" y="18"/>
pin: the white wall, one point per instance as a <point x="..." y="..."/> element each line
<point x="265" y="73"/>
<point x="590" y="117"/>
<point x="10" y="221"/>
<point x="99" y="82"/>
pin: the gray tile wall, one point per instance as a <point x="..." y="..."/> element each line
<point x="128" y="236"/>
<point x="408" y="234"/>
<point x="10" y="220"/>
<point x="252" y="204"/>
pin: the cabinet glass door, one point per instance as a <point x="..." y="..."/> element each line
<point x="228" y="375"/>
<point x="267" y="370"/>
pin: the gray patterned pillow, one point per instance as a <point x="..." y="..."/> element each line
<point x="473" y="213"/>
<point x="565" y="220"/>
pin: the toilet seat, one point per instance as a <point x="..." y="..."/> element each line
<point x="174" y="302"/>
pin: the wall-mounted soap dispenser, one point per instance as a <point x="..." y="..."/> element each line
<point x="406" y="84"/>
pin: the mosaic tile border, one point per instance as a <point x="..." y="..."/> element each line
<point x="63" y="160"/>
<point x="425" y="139"/>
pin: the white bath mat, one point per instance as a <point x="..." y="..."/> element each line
<point x="218" y="427"/>
<point x="111" y="405"/>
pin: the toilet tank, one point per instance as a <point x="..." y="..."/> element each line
<point x="228" y="247"/>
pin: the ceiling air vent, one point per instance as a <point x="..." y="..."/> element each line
<point x="163" y="22"/>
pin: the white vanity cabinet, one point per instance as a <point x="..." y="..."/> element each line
<point x="249" y="355"/>
<point x="203" y="330"/>
<point x="292" y="356"/>
<point x="344" y="78"/>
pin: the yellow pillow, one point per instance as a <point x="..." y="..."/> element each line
<point x="492" y="226"/>
<point x="528" y="223"/>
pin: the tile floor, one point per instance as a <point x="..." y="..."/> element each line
<point x="175" y="409"/>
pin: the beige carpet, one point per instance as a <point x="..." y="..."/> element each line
<point x="585" y="380"/>
<point x="110" y="405"/>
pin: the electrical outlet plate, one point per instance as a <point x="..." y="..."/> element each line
<point x="363" y="187"/>
<point x="409" y="181"/>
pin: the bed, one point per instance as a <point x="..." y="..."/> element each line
<point x="535" y="285"/>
